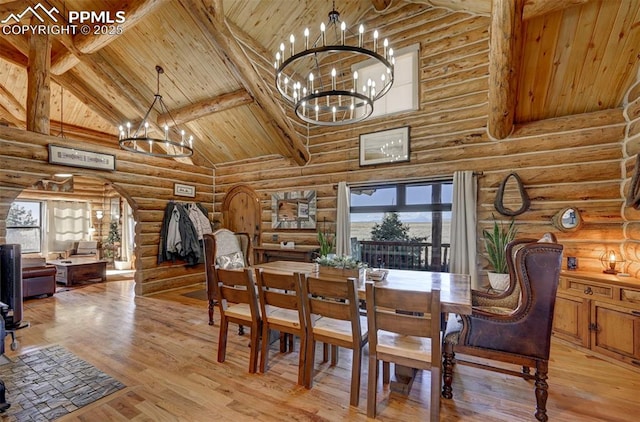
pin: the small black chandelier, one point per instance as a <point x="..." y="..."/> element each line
<point x="315" y="83"/>
<point x="168" y="147"/>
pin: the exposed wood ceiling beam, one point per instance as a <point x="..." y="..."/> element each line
<point x="480" y="7"/>
<point x="504" y="63"/>
<point x="535" y="8"/>
<point x="135" y="10"/>
<point x="210" y="17"/>
<point x="38" y="82"/>
<point x="205" y="108"/>
<point x="380" y="5"/>
<point x="11" y="54"/>
<point x="12" y="105"/>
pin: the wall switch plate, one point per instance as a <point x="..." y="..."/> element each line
<point x="274" y="237"/>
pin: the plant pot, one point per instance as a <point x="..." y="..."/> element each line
<point x="122" y="265"/>
<point x="338" y="272"/>
<point x="498" y="281"/>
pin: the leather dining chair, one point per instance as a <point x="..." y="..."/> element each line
<point x="282" y="310"/>
<point x="404" y="328"/>
<point x="511" y="330"/>
<point x="238" y="303"/>
<point x="332" y="316"/>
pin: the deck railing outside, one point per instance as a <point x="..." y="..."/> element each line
<point x="420" y="256"/>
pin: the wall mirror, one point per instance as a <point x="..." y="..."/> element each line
<point x="293" y="210"/>
<point x="567" y="219"/>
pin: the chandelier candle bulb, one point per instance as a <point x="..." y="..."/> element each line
<point x="322" y="28"/>
<point x="333" y="78"/>
<point x="343" y="28"/>
<point x="360" y="32"/>
<point x="375" y="41"/>
<point x="311" y="81"/>
<point x="146" y="128"/>
<point x="128" y="130"/>
<point x="292" y="39"/>
<point x="306" y="38"/>
<point x="385" y="45"/>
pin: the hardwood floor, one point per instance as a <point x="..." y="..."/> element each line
<point x="163" y="350"/>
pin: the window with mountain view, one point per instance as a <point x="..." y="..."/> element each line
<point x="404" y="225"/>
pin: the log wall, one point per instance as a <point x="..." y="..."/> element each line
<point x="145" y="182"/>
<point x="568" y="161"/>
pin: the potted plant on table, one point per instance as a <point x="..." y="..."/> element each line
<point x="495" y="242"/>
<point x="342" y="266"/>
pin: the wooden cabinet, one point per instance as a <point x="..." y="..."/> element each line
<point x="600" y="312"/>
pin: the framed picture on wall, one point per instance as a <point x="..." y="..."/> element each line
<point x="293" y="210"/>
<point x="384" y="147"/>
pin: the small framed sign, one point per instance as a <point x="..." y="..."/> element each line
<point x="79" y="158"/>
<point x="184" y="190"/>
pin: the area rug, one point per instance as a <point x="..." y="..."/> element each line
<point x="200" y="294"/>
<point x="49" y="383"/>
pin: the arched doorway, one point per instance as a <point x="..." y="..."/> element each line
<point x="241" y="212"/>
<point x="94" y="205"/>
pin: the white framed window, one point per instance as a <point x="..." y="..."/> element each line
<point x="403" y="95"/>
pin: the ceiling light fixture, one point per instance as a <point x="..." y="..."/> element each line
<point x="317" y="81"/>
<point x="167" y="147"/>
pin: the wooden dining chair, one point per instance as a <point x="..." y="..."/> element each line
<point x="332" y="317"/>
<point x="238" y="303"/>
<point x="404" y="328"/>
<point x="282" y="310"/>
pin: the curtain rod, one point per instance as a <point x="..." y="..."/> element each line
<point x="406" y="180"/>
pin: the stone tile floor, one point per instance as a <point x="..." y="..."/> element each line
<point x="48" y="383"/>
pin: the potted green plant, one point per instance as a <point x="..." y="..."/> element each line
<point x="495" y="242"/>
<point x="326" y="243"/>
<point x="342" y="266"/>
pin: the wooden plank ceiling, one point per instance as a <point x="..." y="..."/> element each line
<point x="573" y="57"/>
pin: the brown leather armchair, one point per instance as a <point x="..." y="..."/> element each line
<point x="225" y="249"/>
<point x="516" y="327"/>
<point x="38" y="278"/>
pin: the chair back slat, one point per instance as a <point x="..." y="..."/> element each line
<point x="403" y="300"/>
<point x="328" y="287"/>
<point x="235" y="286"/>
<point x="332" y="298"/>
<point x="408" y="325"/>
<point x="277" y="289"/>
<point x="330" y="308"/>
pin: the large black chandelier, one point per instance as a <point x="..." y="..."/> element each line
<point x="318" y="82"/>
<point x="175" y="142"/>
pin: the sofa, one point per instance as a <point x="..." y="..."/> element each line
<point x="84" y="249"/>
<point x="38" y="278"/>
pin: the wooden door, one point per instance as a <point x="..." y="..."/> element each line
<point x="241" y="212"/>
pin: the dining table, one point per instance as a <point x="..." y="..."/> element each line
<point x="455" y="289"/>
<point x="455" y="296"/>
